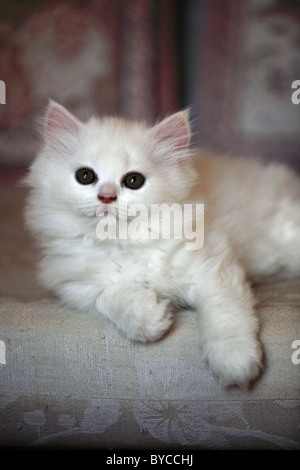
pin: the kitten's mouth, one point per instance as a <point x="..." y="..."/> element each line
<point x="106" y="209"/>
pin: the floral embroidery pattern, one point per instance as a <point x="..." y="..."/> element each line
<point x="191" y="422"/>
<point x="96" y="419"/>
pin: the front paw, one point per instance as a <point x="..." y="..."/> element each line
<point x="146" y="317"/>
<point x="235" y="361"/>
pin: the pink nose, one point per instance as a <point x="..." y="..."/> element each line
<point x="107" y="194"/>
<point x="107" y="199"/>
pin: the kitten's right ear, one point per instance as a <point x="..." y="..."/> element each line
<point x="60" y="126"/>
<point x="172" y="138"/>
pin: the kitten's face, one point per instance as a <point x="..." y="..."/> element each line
<point x="108" y="164"/>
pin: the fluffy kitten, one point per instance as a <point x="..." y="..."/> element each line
<point x="88" y="171"/>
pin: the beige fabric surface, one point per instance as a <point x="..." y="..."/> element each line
<point x="72" y="380"/>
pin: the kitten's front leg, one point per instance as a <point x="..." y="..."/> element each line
<point x="229" y="326"/>
<point x="136" y="311"/>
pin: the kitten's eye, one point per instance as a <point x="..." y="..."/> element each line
<point x="133" y="180"/>
<point x="85" y="176"/>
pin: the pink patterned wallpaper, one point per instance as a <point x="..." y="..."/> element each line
<point x="93" y="56"/>
<point x="250" y="58"/>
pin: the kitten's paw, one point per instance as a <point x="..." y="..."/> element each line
<point x="148" y="318"/>
<point x="235" y="361"/>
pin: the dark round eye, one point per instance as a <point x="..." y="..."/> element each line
<point x="133" y="180"/>
<point x="85" y="176"/>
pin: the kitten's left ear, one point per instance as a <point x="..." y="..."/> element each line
<point x="172" y="137"/>
<point x="60" y="126"/>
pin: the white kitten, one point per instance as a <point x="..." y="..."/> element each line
<point x="91" y="171"/>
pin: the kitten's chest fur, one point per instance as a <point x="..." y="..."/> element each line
<point x="153" y="265"/>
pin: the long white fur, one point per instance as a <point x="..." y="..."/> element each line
<point x="252" y="231"/>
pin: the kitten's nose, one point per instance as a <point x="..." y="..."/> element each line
<point x="107" y="194"/>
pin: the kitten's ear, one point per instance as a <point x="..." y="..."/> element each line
<point x="60" y="126"/>
<point x="172" y="137"/>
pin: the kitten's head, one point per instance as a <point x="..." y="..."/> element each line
<point x="93" y="167"/>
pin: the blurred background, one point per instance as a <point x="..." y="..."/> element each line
<point x="232" y="62"/>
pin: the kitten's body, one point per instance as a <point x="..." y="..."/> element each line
<point x="258" y="208"/>
<point x="252" y="227"/>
